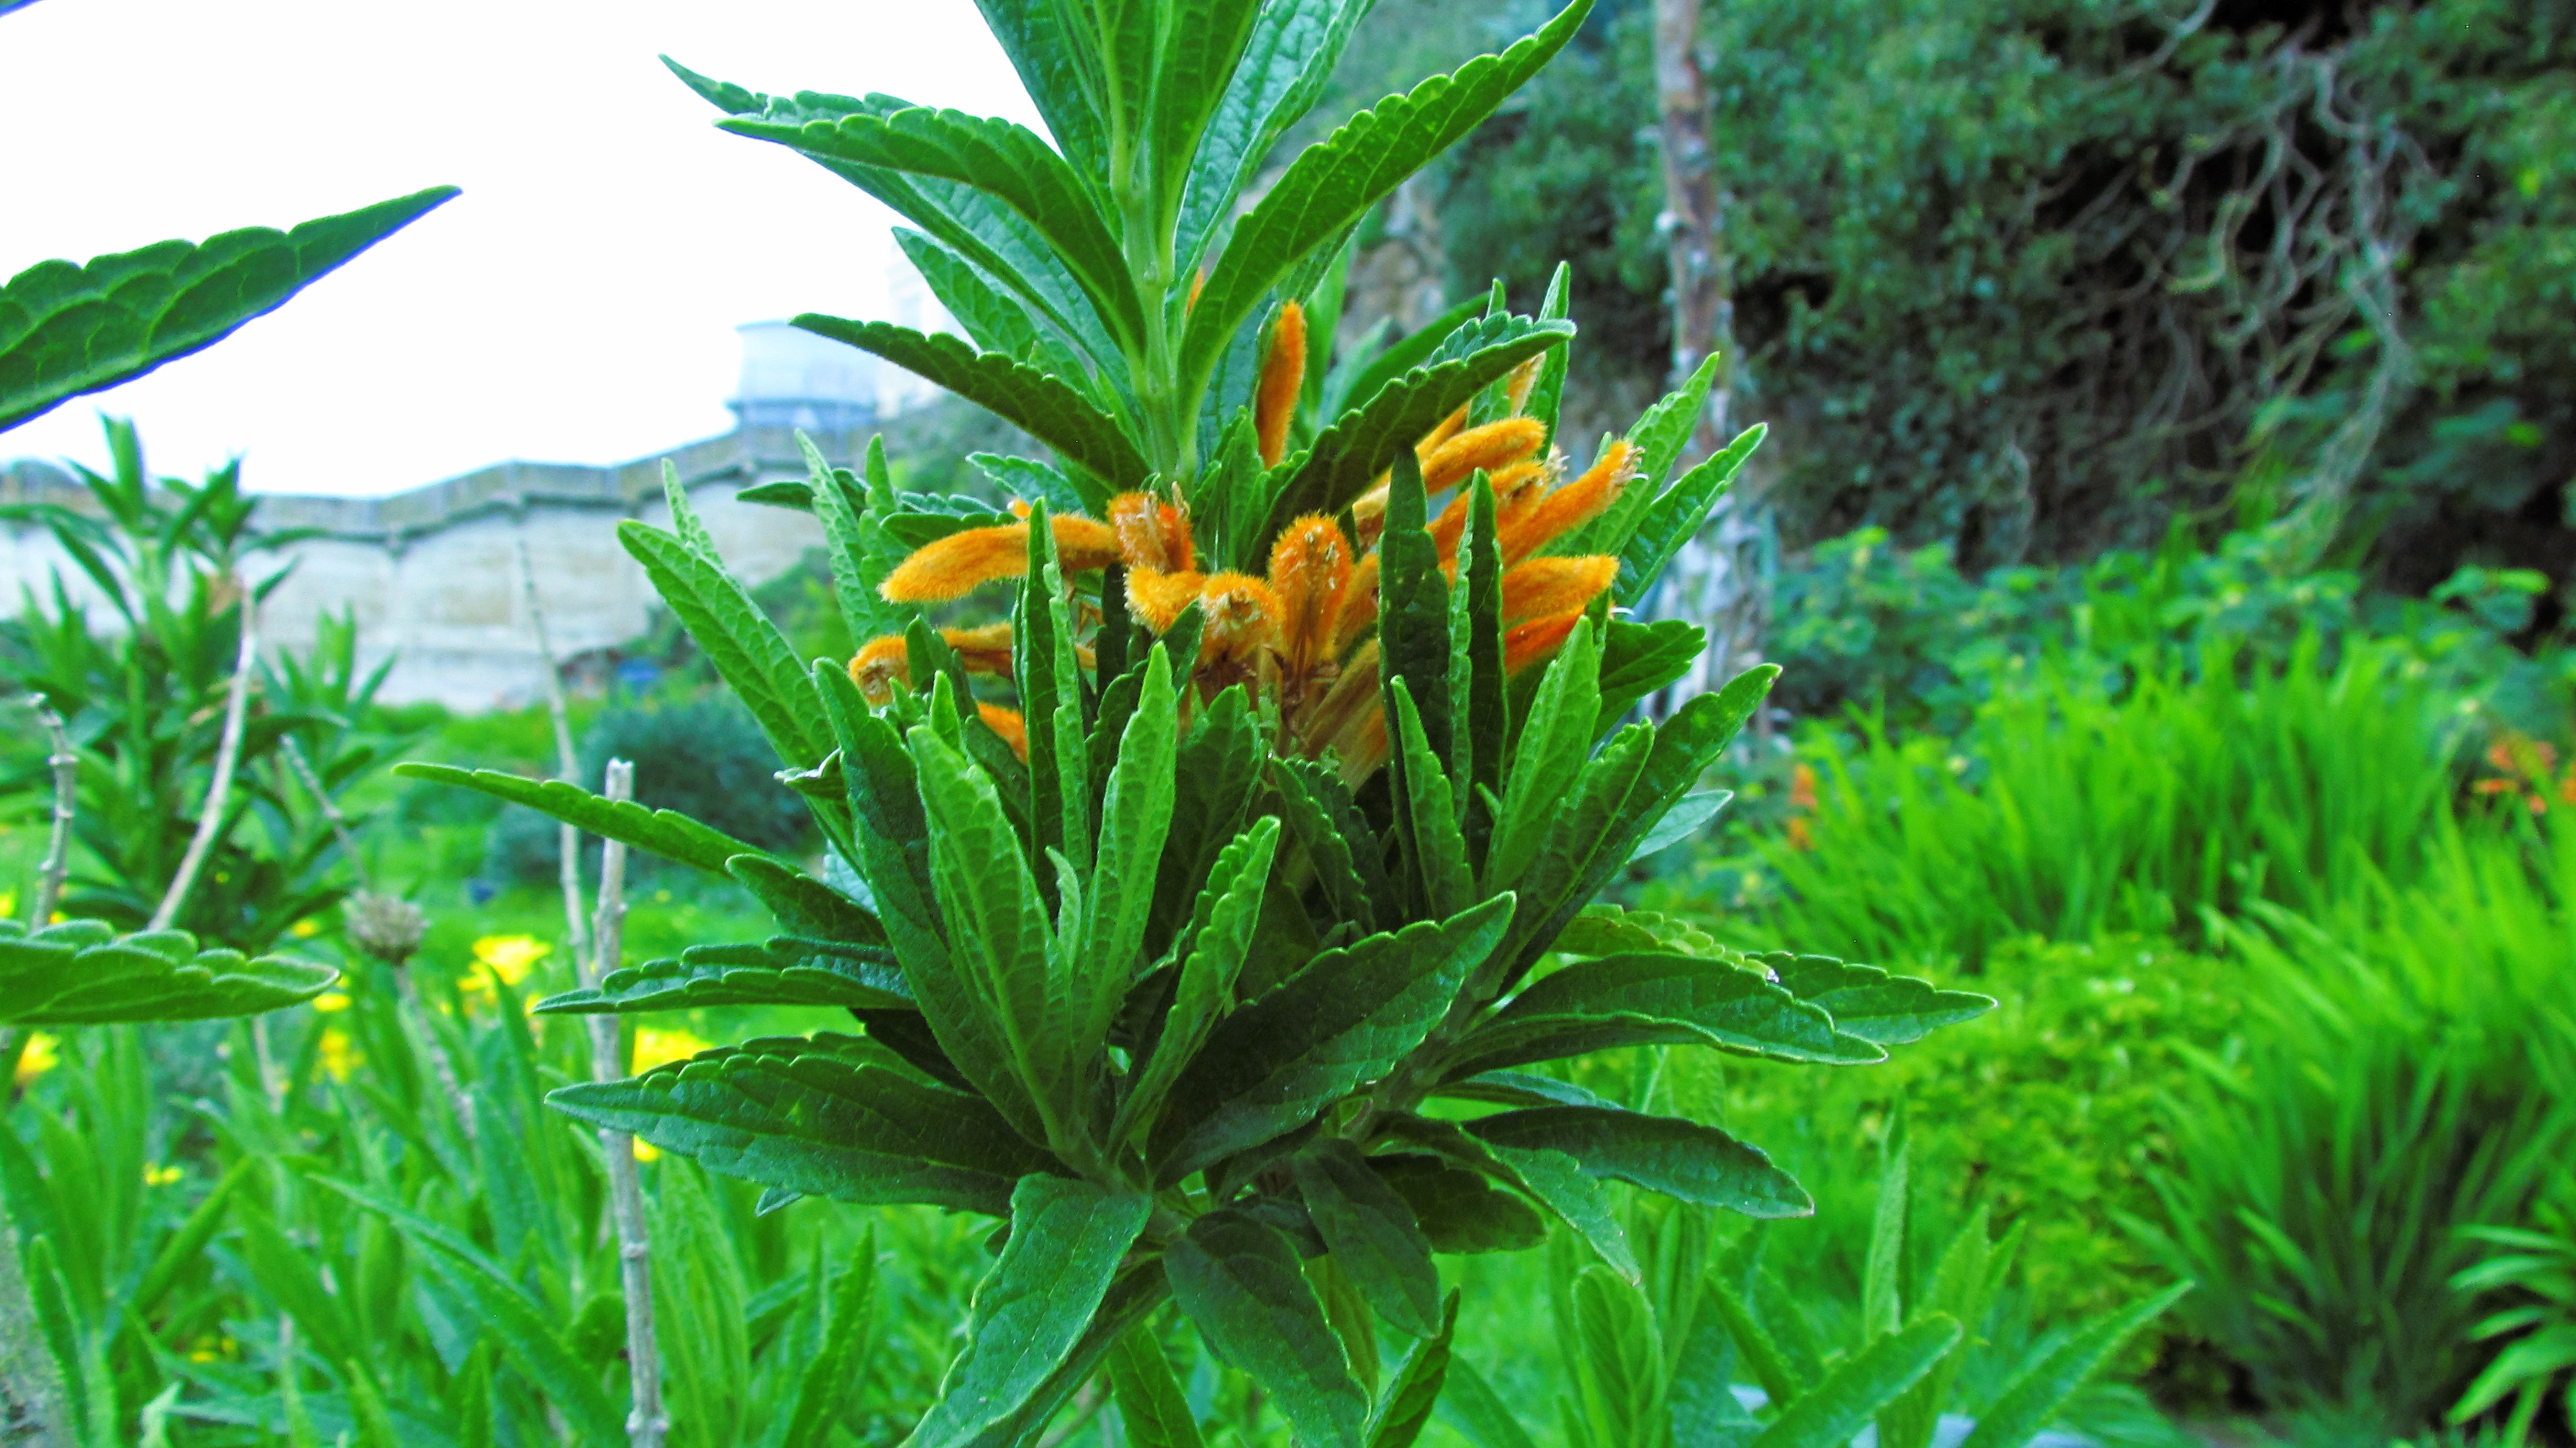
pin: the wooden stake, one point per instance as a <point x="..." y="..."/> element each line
<point x="647" y="1423"/>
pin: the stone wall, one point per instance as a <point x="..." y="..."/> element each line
<point x="432" y="574"/>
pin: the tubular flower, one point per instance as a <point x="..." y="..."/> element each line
<point x="1359" y="605"/>
<point x="1492" y="447"/>
<point x="1547" y="587"/>
<point x="1242" y="619"/>
<point x="1524" y="377"/>
<point x="1158" y="597"/>
<point x="1310" y="570"/>
<point x="1283" y="376"/>
<point x="885" y="662"/>
<point x="1008" y="724"/>
<point x="1545" y="519"/>
<point x="1538" y="640"/>
<point x="1149" y="533"/>
<point x="960" y="563"/>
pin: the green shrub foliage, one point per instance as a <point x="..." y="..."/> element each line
<point x="1205" y="995"/>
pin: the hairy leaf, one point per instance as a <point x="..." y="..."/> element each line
<point x="1416" y="1390"/>
<point x="1372" y="1233"/>
<point x="777" y="973"/>
<point x="745" y="647"/>
<point x="1240" y="1282"/>
<point x="1218" y="942"/>
<point x="1834" y="1410"/>
<point x="1670" y="521"/>
<point x="2033" y="1399"/>
<point x="82" y="973"/>
<point x="663" y="832"/>
<point x="1664" y="1154"/>
<point x="1281" y="72"/>
<point x="1658" y="999"/>
<point x="1151" y="1406"/>
<point x="1868" y="1002"/>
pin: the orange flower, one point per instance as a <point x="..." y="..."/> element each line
<point x="1523" y="378"/>
<point x="1008" y="724"/>
<point x="1492" y="447"/>
<point x="1546" y="587"/>
<point x="1310" y="571"/>
<point x="1359" y="606"/>
<point x="1242" y="617"/>
<point x="1802" y="787"/>
<point x="958" y="564"/>
<point x="1546" y="519"/>
<point x="1800" y="838"/>
<point x="885" y="662"/>
<point x="1157" y="597"/>
<point x="1283" y="377"/>
<point x="1150" y="533"/>
<point x="1537" y="640"/>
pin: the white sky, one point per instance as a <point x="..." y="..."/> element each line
<point x="576" y="304"/>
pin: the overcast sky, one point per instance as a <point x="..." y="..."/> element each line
<point x="576" y="304"/>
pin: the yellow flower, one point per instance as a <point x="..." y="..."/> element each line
<point x="8" y="903"/>
<point x="160" y="1176"/>
<point x="646" y="1151"/>
<point x="305" y="929"/>
<point x="655" y="1046"/>
<point x="331" y="1002"/>
<point x="510" y="956"/>
<point x="38" y="1058"/>
<point x="338" y="1056"/>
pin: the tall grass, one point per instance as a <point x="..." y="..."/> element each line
<point x="2072" y="811"/>
<point x="2392" y="1092"/>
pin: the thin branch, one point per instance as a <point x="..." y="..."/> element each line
<point x="567" y="765"/>
<point x="647" y="1423"/>
<point x="312" y="782"/>
<point x="58" y="847"/>
<point x="227" y="755"/>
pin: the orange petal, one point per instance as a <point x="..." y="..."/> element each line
<point x="1546" y="587"/>
<point x="878" y="667"/>
<point x="1523" y="378"/>
<point x="987" y="650"/>
<point x="958" y="564"/>
<point x="1150" y="533"/>
<point x="1157" y="597"/>
<point x="1310" y="570"/>
<point x="1242" y="616"/>
<point x="1008" y="724"/>
<point x="1283" y="377"/>
<point x="1447" y="429"/>
<point x="1532" y="642"/>
<point x="1571" y="506"/>
<point x="1492" y="447"/>
<point x="1359" y="606"/>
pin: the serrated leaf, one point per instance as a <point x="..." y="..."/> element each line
<point x="1609" y="930"/>
<point x="1460" y="1210"/>
<point x="1555" y="739"/>
<point x="1964" y="1289"/>
<point x="1340" y="847"/>
<point x="1657" y="998"/>
<point x="1413" y="609"/>
<point x="2033" y="1399"/>
<point x="1666" y="1154"/>
<point x="1870" y="1003"/>
<point x="663" y="832"/>
<point x="1218" y="942"/>
<point x="1416" y="1390"/>
<point x="800" y="1115"/>
<point x="1770" y="1363"/>
<point x="1217" y="773"/>
<point x="1639" y="658"/>
<point x="1136" y="823"/>
<point x="1837" y="1408"/>
<point x="67" y="329"/>
<point x="809" y="909"/>
<point x="857" y="546"/>
<point x="1671" y="519"/>
<point x="82" y="973"/>
<point x="1034" y="481"/>
<point x="1661" y="435"/>
<point x="1045" y="407"/>
<point x="1279" y="75"/>
<point x="1434" y="846"/>
<point x="1372" y="1233"/>
<point x="1043" y="52"/>
<point x="1203" y="45"/>
<point x="774" y="974"/>
<point x="1387" y="422"/>
<point x="834" y="1375"/>
<point x="1331" y="185"/>
<point x="995" y="323"/>
<point x="739" y="639"/>
<point x="1345" y="1019"/>
<point x="1547" y="1176"/>
<point x="1006" y="161"/>
<point x="1240" y="1282"/>
<point x="1067" y="1239"/>
<point x="1151" y="1406"/>
<point x="1413" y="349"/>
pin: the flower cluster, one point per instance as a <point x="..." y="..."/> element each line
<point x="1300" y="635"/>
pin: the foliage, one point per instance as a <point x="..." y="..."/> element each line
<point x="143" y="696"/>
<point x="700" y="757"/>
<point x="2532" y="1274"/>
<point x="2383" y="1104"/>
<point x="1277" y="815"/>
<point x="82" y="973"/>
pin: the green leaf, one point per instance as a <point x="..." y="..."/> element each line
<point x="49" y="1295"/>
<point x="1460" y="1210"/>
<point x="802" y="1115"/>
<point x="1339" y="845"/>
<point x="1639" y="658"/>
<point x="1388" y="421"/>
<point x="1044" y="668"/>
<point x="1547" y="1176"/>
<point x="1150" y="1403"/>
<point x="1771" y="1365"/>
<point x="1547" y="394"/>
<point x="1413" y="609"/>
<point x="1433" y="844"/>
<point x="1033" y="36"/>
<point x="1218" y="772"/>
<point x="1067" y="1239"/>
<point x="1218" y="943"/>
<point x="1685" y="819"/>
<point x="82" y="973"/>
<point x="1882" y="1293"/>
<point x="1609" y="930"/>
<point x="739" y="639"/>
<point x="1520" y="1088"/>
<point x="776" y="973"/>
<point x="663" y="832"/>
<point x="66" y="329"/>
<point x="1372" y="1233"/>
<point x="1666" y="1154"/>
<point x="1660" y="435"/>
<point x="1203" y="43"/>
<point x="1136" y="818"/>
<point x="1240" y="1282"/>
<point x="836" y="1373"/>
<point x="1554" y="742"/>
<point x="1277" y="79"/>
<point x="1416" y="1390"/>
<point x="1333" y="183"/>
<point x="1483" y="697"/>
<point x="1671" y="519"/>
<point x="1963" y="1288"/>
<point x="1006" y="161"/>
<point x="1367" y="376"/>
<point x="1477" y="1411"/>
<point x="1045" y="407"/>
<point x="1657" y="998"/>
<point x="1867" y="1002"/>
<point x="2034" y="1398"/>
<point x="1132" y="1297"/>
<point x="1837" y="1408"/>
<point x="1344" y="1020"/>
<point x="856" y="543"/>
<point x="808" y="909"/>
<point x="994" y="322"/>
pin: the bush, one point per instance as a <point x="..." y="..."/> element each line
<point x="703" y="757"/>
<point x="2384" y="1102"/>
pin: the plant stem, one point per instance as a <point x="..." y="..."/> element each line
<point x="567" y="766"/>
<point x="646" y="1424"/>
<point x="227" y="755"/>
<point x="339" y="822"/>
<point x="58" y="847"/>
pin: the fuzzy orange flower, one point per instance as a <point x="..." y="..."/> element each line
<point x="1283" y="377"/>
<point x="962" y="562"/>
<point x="1150" y="533"/>
<point x="1492" y="447"/>
<point x="884" y="662"/>
<point x="1546" y="587"/>
<point x="1545" y="519"/>
<point x="1310" y="572"/>
<point x="1537" y="640"/>
<point x="1008" y="724"/>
